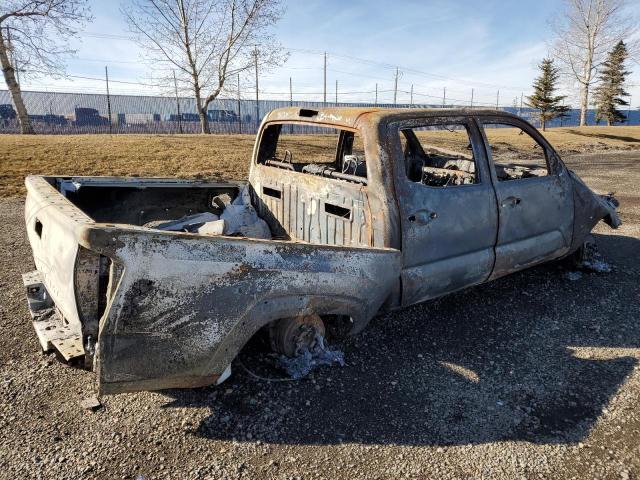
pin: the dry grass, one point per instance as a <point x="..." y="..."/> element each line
<point x="577" y="140"/>
<point x="141" y="155"/>
<point x="565" y="140"/>
<point x="210" y="156"/>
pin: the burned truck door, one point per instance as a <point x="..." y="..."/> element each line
<point x="447" y="206"/>
<point x="533" y="189"/>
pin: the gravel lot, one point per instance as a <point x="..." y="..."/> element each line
<point x="531" y="376"/>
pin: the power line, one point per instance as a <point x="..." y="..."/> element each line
<point x="366" y="61"/>
<point x="112" y="81"/>
<point x="348" y="57"/>
<point x="408" y="69"/>
<point x="102" y="60"/>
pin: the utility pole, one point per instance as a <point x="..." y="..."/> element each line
<point x="239" y="107"/>
<point x="628" y="110"/>
<point x="472" y="98"/>
<point x="395" y="90"/>
<point x="175" y="84"/>
<point x="376" y="94"/>
<point x="106" y="73"/>
<point x="498" y="100"/>
<point x="521" y="95"/>
<point x="562" y="116"/>
<point x="336" y="92"/>
<point x="444" y="97"/>
<point x="290" y="92"/>
<point x="325" y="79"/>
<point x="290" y="100"/>
<point x="412" y="94"/>
<point x="255" y="55"/>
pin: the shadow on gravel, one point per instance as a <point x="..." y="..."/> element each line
<point x="502" y="361"/>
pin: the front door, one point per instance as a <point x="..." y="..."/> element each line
<point x="534" y="195"/>
<point x="447" y="204"/>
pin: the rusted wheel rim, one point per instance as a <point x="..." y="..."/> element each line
<point x="290" y="336"/>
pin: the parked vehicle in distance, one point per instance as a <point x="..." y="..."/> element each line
<point x="7" y="112"/>
<point x="139" y="118"/>
<point x="212" y="116"/>
<point x="49" y="119"/>
<point x="158" y="283"/>
<point x="85" y="116"/>
<point x="222" y="116"/>
<point x="185" y="117"/>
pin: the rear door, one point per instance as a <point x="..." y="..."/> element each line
<point x="447" y="204"/>
<point x="533" y="189"/>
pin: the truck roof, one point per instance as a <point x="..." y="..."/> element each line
<point x="349" y="116"/>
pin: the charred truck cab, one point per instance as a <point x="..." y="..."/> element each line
<point x="158" y="283"/>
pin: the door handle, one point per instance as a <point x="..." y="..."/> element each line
<point x="510" y="202"/>
<point x="422" y="217"/>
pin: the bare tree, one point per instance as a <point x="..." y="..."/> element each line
<point x="206" y="42"/>
<point x="33" y="38"/>
<point x="586" y="31"/>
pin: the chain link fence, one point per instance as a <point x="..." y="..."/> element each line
<point x="82" y="113"/>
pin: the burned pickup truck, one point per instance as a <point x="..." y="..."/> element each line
<point x="158" y="283"/>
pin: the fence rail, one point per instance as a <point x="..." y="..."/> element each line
<point x="83" y="113"/>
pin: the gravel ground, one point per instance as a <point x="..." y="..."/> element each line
<point x="531" y="376"/>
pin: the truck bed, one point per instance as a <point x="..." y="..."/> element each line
<point x="154" y="309"/>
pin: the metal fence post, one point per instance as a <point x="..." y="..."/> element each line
<point x="325" y="80"/>
<point x="175" y="84"/>
<point x="290" y="100"/>
<point x="239" y="109"/>
<point x="395" y="90"/>
<point x="106" y="72"/>
<point x="521" y="95"/>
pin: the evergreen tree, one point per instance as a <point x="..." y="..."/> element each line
<point x="609" y="93"/>
<point x="547" y="104"/>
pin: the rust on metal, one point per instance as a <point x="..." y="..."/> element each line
<point x="392" y="224"/>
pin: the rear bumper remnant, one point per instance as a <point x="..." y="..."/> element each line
<point x="52" y="331"/>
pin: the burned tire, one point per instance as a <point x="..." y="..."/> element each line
<point x="291" y="335"/>
<point x="577" y="259"/>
